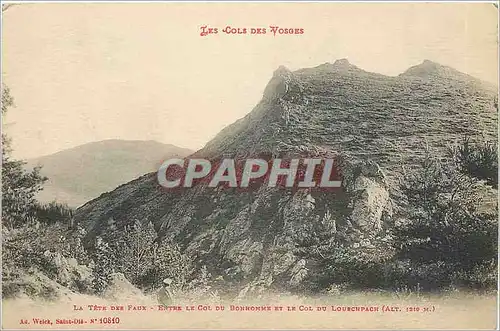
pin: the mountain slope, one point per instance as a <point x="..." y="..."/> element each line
<point x="365" y="114"/>
<point x="370" y="122"/>
<point x="84" y="172"/>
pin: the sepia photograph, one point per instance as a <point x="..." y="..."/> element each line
<point x="249" y="165"/>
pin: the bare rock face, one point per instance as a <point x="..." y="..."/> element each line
<point x="298" y="273"/>
<point x="373" y="203"/>
<point x="279" y="85"/>
<point x="246" y="254"/>
<point x="368" y="195"/>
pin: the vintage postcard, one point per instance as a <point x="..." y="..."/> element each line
<point x="249" y="165"/>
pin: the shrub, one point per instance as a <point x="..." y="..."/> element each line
<point x="53" y="212"/>
<point x="200" y="288"/>
<point x="22" y="250"/>
<point x="104" y="266"/>
<point x="444" y="232"/>
<point x="143" y="260"/>
<point x="19" y="187"/>
<point x="166" y="261"/>
<point x="334" y="259"/>
<point x="443" y="238"/>
<point x="481" y="277"/>
<point x="477" y="160"/>
<point x="348" y="266"/>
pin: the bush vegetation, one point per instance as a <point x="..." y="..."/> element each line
<point x="135" y="252"/>
<point x="478" y="160"/>
<point x="443" y="239"/>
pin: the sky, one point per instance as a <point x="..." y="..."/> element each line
<point x="87" y="72"/>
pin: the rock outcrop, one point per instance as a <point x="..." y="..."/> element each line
<point x="59" y="277"/>
<point x="119" y="289"/>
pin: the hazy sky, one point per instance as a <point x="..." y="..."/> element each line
<point x="87" y="72"/>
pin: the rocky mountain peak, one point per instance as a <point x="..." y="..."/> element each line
<point x="430" y="69"/>
<point x="342" y="63"/>
<point x="282" y="71"/>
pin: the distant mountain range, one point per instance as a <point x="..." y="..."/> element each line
<point x="82" y="173"/>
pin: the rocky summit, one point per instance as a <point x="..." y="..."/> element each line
<point x="371" y="123"/>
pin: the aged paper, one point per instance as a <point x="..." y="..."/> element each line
<point x="249" y="165"/>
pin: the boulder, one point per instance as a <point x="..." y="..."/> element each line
<point x="120" y="289"/>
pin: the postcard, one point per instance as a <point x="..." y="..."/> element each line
<point x="249" y="165"/>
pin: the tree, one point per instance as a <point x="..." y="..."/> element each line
<point x="144" y="261"/>
<point x="54" y="212"/>
<point x="477" y="160"/>
<point x="136" y="250"/>
<point x="19" y="186"/>
<point x="444" y="226"/>
<point x="104" y="266"/>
